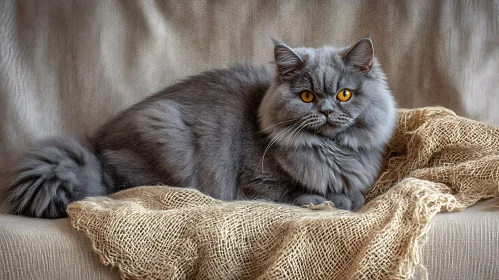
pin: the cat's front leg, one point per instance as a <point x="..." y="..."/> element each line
<point x="357" y="199"/>
<point x="353" y="200"/>
<point x="306" y="199"/>
<point x="340" y="201"/>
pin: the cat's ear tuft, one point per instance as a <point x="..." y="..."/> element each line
<point x="361" y="55"/>
<point x="286" y="59"/>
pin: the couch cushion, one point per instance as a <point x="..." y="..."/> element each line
<point x="464" y="245"/>
<point x="47" y="249"/>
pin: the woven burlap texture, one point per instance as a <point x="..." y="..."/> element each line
<point x="435" y="162"/>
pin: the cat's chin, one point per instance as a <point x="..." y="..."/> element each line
<point x="331" y="130"/>
<point x="302" y="140"/>
<point x="314" y="136"/>
<point x="305" y="139"/>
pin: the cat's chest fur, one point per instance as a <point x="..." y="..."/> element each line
<point x="328" y="167"/>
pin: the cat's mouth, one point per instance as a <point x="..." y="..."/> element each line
<point x="324" y="128"/>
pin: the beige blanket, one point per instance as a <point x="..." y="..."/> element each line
<point x="435" y="162"/>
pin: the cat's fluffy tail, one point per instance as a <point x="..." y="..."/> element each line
<point x="53" y="174"/>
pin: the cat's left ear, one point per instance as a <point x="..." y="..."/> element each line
<point x="361" y="55"/>
<point x="287" y="60"/>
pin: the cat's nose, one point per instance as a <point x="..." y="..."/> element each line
<point x="326" y="112"/>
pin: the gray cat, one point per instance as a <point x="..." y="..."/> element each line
<point x="313" y="131"/>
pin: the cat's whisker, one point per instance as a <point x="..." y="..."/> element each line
<point x="280" y="135"/>
<point x="276" y="125"/>
<point x="275" y="139"/>
<point x="299" y="129"/>
<point x="296" y="130"/>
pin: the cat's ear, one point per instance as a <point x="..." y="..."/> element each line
<point x="286" y="59"/>
<point x="361" y="55"/>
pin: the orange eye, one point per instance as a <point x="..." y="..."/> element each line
<point x="344" y="95"/>
<point x="307" y="96"/>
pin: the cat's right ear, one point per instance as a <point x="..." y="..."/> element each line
<point x="287" y="60"/>
<point x="361" y="55"/>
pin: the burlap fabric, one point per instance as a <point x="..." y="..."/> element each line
<point x="436" y="162"/>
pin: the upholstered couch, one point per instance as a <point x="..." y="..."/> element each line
<point x="68" y="66"/>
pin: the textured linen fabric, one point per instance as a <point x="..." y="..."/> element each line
<point x="436" y="161"/>
<point x="68" y="66"/>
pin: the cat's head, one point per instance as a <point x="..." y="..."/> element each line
<point x="328" y="93"/>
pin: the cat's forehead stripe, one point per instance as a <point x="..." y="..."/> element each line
<point x="324" y="79"/>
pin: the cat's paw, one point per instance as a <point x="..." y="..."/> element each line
<point x="357" y="199"/>
<point x="341" y="201"/>
<point x="307" y="199"/>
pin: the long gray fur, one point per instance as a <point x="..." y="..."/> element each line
<point x="236" y="133"/>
